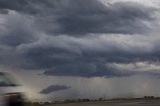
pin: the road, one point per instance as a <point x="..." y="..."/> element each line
<point x="115" y="103"/>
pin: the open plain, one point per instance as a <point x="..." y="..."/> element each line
<point x="114" y="103"/>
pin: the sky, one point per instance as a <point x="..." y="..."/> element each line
<point x="55" y="47"/>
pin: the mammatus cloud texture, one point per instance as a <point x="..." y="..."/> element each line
<point x="81" y="38"/>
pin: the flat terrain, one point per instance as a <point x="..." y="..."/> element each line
<point x="115" y="103"/>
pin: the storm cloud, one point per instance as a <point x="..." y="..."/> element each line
<point x="78" y="38"/>
<point x="54" y="88"/>
<point x="84" y="17"/>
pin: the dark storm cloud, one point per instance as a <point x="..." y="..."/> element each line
<point x="60" y="61"/>
<point x="4" y="11"/>
<point x="15" y="29"/>
<point x="88" y="66"/>
<point x="116" y="18"/>
<point x="28" y="36"/>
<point x="81" y="17"/>
<point x="54" y="88"/>
<point x="93" y="17"/>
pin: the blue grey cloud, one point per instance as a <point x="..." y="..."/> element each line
<point x="76" y="38"/>
<point x="87" y="16"/>
<point x="54" y="88"/>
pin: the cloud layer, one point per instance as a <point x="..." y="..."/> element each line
<point x="80" y="38"/>
<point x="54" y="88"/>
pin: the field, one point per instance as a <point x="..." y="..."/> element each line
<point x="113" y="103"/>
<point x="151" y="103"/>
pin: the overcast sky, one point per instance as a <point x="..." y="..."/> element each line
<point x="80" y="39"/>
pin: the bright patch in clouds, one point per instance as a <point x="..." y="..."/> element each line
<point x="137" y="66"/>
<point x="152" y="3"/>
